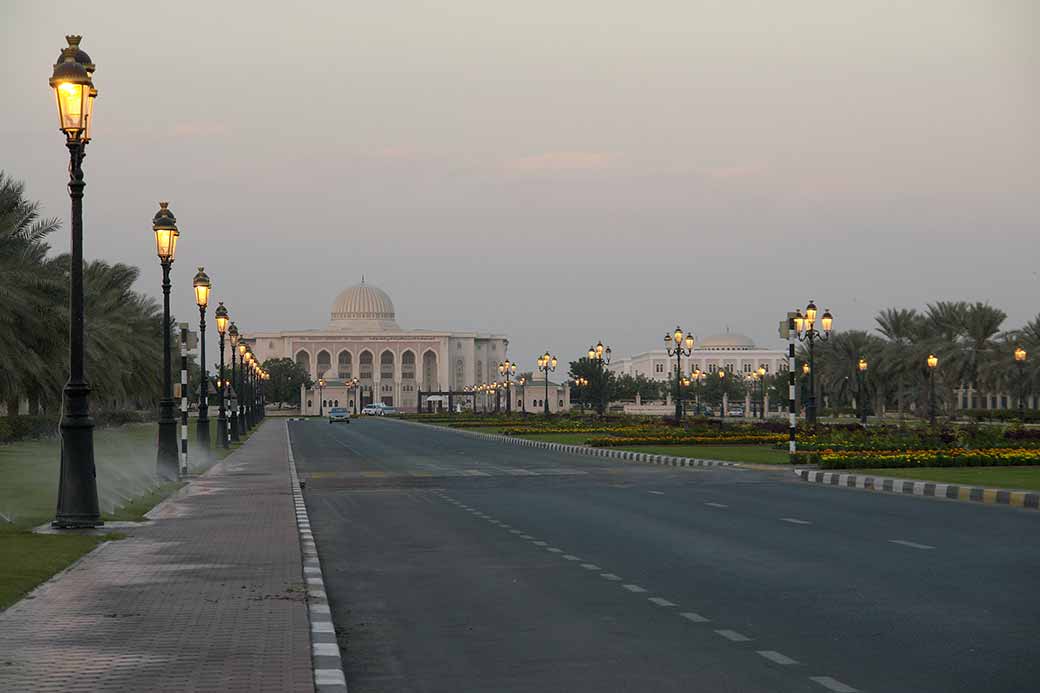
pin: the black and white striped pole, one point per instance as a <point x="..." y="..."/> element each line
<point x="788" y="329"/>
<point x="184" y="399"/>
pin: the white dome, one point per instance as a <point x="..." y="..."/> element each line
<point x="729" y="341"/>
<point x="363" y="307"/>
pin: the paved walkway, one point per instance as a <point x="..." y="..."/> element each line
<point x="208" y="597"/>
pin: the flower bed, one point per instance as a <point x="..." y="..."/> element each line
<point x="619" y="441"/>
<point x="951" y="457"/>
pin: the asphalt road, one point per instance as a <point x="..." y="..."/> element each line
<point x="457" y="564"/>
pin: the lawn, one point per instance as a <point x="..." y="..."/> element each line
<point x="755" y="454"/>
<point x="1022" y="478"/>
<point x="127" y="488"/>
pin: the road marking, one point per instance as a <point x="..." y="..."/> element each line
<point x="504" y="525"/>
<point x="540" y="543"/>
<point x="609" y="576"/>
<point x="322" y="627"/>
<point x="661" y="601"/>
<point x="911" y="544"/>
<point x="833" y="684"/>
<point x="717" y="505"/>
<point x="696" y="618"/>
<point x="325" y="649"/>
<point x="527" y="536"/>
<point x="590" y="566"/>
<point x="656" y="493"/>
<point x="515" y="531"/>
<point x="795" y="521"/>
<point x="568" y="557"/>
<point x="733" y="635"/>
<point x="474" y="472"/>
<point x="774" y="656"/>
<point x="554" y="549"/>
<point x="633" y="588"/>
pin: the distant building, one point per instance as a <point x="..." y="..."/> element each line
<point x="733" y="352"/>
<point x="364" y="341"/>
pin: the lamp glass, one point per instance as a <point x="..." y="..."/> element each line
<point x="166" y="243"/>
<point x="828" y="320"/>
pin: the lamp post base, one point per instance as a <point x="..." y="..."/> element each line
<point x="222" y="431"/>
<point x="202" y="432"/>
<point x="167" y="453"/>
<point x="77" y="485"/>
<point x="233" y="423"/>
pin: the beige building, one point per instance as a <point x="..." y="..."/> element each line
<point x="364" y="341"/>
<point x="733" y="352"/>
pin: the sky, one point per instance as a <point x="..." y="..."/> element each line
<point x="559" y="172"/>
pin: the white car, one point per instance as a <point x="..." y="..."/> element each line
<point x="339" y="414"/>
<point x="378" y="409"/>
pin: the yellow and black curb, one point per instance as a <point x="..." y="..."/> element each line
<point x="928" y="489"/>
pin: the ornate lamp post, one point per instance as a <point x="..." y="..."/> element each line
<point x="222" y="320"/>
<point x="805" y="328"/>
<point x="583" y="383"/>
<point x="722" y="395"/>
<point x="202" y="288"/>
<point x="523" y="394"/>
<point x="600" y="355"/>
<point x="861" y="374"/>
<point x="546" y="364"/>
<point x="321" y="394"/>
<point x="508" y="370"/>
<point x="1020" y="364"/>
<point x="249" y="412"/>
<point x="164" y="224"/>
<point x="697" y="377"/>
<point x="678" y="351"/>
<point x="933" y="363"/>
<point x="352" y="386"/>
<point x="240" y="414"/>
<point x="236" y="382"/>
<point x="77" y="486"/>
<point x="761" y="372"/>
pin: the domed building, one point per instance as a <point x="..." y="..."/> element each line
<point x="364" y="341"/>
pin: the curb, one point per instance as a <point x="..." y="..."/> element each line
<point x="325" y="659"/>
<point x="929" y="489"/>
<point x="627" y="455"/>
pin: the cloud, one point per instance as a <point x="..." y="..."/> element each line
<point x="561" y="161"/>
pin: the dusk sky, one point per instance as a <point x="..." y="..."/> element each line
<point x="560" y="172"/>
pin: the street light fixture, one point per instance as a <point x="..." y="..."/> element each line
<point x="164" y="225"/>
<point x="678" y="339"/>
<point x="546" y="364"/>
<point x="241" y="414"/>
<point x="74" y="94"/>
<point x="222" y="320"/>
<point x="321" y="394"/>
<point x="508" y="370"/>
<point x="861" y="374"/>
<point x="933" y="363"/>
<point x="352" y="386"/>
<point x="805" y="329"/>
<point x="1020" y="364"/>
<point x="202" y="286"/>
<point x="600" y="356"/>
<point x="237" y="383"/>
<point x="583" y="383"/>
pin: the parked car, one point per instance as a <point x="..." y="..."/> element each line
<point x="339" y="414"/>
<point x="378" y="409"/>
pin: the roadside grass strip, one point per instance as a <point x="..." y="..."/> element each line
<point x="326" y="662"/>
<point x="926" y="489"/>
<point x="828" y="682"/>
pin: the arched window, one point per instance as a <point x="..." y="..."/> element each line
<point x="365" y="365"/>
<point x="429" y="370"/>
<point x="386" y="365"/>
<point x="408" y="365"/>
<point x="304" y="360"/>
<point x="324" y="362"/>
<point x="345" y="365"/>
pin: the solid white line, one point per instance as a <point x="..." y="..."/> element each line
<point x="795" y="521"/>
<point x="661" y="601"/>
<point x="609" y="576"/>
<point x="590" y="566"/>
<point x="733" y="635"/>
<point x="696" y="618"/>
<point x="633" y="588"/>
<point x="911" y="544"/>
<point x="717" y="505"/>
<point x="774" y="656"/>
<point x="833" y="684"/>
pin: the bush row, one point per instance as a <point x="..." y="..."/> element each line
<point x="953" y="457"/>
<point x="31" y="426"/>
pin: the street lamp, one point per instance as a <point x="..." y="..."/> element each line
<point x="236" y="382"/>
<point x="242" y="377"/>
<point x="222" y="319"/>
<point x="600" y="356"/>
<point x="933" y="363"/>
<point x="1020" y="364"/>
<point x="805" y="328"/>
<point x="202" y="286"/>
<point x="164" y="225"/>
<point x="321" y="394"/>
<point x="507" y="369"/>
<point x="546" y="364"/>
<point x="722" y="394"/>
<point x="761" y="372"/>
<point x="678" y="339"/>
<point x="861" y="374"/>
<point x="522" y="382"/>
<point x="583" y="383"/>
<point x="74" y="93"/>
<point x="352" y="386"/>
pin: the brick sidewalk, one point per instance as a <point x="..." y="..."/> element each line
<point x="208" y="597"/>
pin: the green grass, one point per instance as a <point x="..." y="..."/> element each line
<point x="755" y="454"/>
<point x="125" y="459"/>
<point x="1024" y="478"/>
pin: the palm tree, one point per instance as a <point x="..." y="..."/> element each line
<point x="976" y="350"/>
<point x="902" y="328"/>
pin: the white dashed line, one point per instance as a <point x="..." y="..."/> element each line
<point x="661" y="601"/>
<point x="515" y="531"/>
<point x="717" y="505"/>
<point x="633" y="588"/>
<point x="795" y="521"/>
<point x="527" y="536"/>
<point x="911" y="544"/>
<point x="568" y="557"/>
<point x="590" y="566"/>
<point x="695" y="618"/>
<point x="610" y="576"/>
<point x="774" y="656"/>
<point x="553" y="549"/>
<point x="733" y="635"/>
<point x="656" y="493"/>
<point x="833" y="684"/>
<point x="539" y="543"/>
